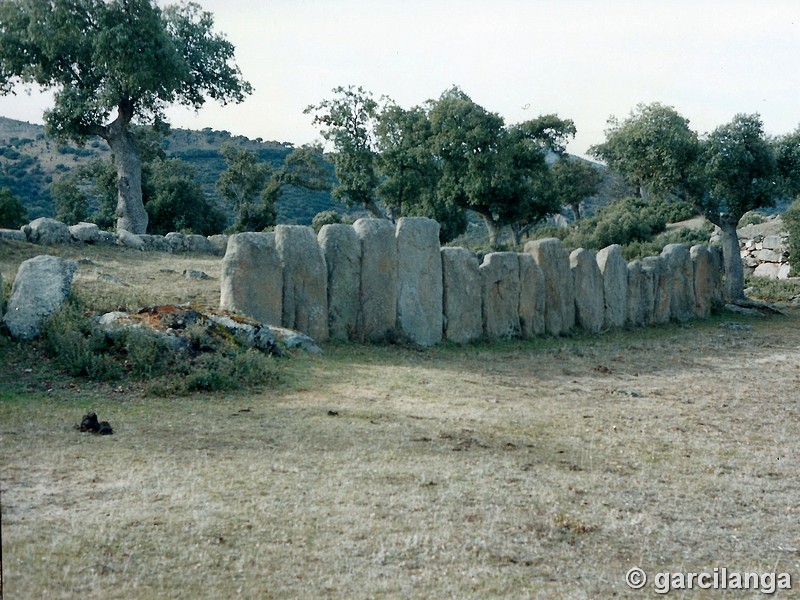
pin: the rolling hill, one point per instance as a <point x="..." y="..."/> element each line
<point x="30" y="162"/>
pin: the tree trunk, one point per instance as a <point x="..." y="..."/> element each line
<point x="493" y="229"/>
<point x="373" y="207"/>
<point x="130" y="208"/>
<point x="576" y="209"/>
<point x="732" y="259"/>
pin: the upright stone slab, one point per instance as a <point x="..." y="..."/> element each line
<point x="419" y="280"/>
<point x="559" y="287"/>
<point x="589" y="304"/>
<point x="305" y="281"/>
<point x="40" y="289"/>
<point x="634" y="310"/>
<point x="252" y="277"/>
<point x="717" y="271"/>
<point x="462" y="303"/>
<point x="378" y="295"/>
<point x="500" y="292"/>
<point x="614" y="269"/>
<point x="679" y="264"/>
<point x="342" y="250"/>
<point x="703" y="280"/>
<point x="531" y="297"/>
<point x="655" y="270"/>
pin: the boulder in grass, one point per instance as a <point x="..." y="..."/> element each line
<point x="47" y="231"/>
<point x="130" y="240"/>
<point x="88" y="233"/>
<point x="40" y="289"/>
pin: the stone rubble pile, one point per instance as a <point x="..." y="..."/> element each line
<point x="48" y="232"/>
<point x="374" y="280"/>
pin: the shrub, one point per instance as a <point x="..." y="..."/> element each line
<point x="210" y="363"/>
<point x="12" y="213"/>
<point x="752" y="217"/>
<point x="791" y="219"/>
<point x="621" y="222"/>
<point x="326" y="217"/>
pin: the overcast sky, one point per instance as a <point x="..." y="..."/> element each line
<point x="585" y="60"/>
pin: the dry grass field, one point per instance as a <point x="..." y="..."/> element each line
<point x="541" y="469"/>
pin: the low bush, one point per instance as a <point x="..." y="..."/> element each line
<point x="209" y="363"/>
<point x="791" y="219"/>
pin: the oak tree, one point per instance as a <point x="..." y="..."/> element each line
<point x="112" y="63"/>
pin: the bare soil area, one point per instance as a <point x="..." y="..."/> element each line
<point x="539" y="469"/>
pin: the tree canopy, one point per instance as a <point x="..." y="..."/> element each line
<point x="732" y="170"/>
<point x="113" y="62"/>
<point x="442" y="159"/>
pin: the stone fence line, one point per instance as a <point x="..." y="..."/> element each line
<point x="374" y="280"/>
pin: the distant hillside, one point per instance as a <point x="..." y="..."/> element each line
<point x="30" y="162"/>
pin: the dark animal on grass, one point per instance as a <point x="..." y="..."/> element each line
<point x="90" y="424"/>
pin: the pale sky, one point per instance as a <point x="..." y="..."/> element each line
<point x="585" y="60"/>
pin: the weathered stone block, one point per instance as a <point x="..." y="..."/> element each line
<point x="199" y="244"/>
<point x="773" y="242"/>
<point x="679" y="264"/>
<point x="85" y="232"/>
<point x="589" y="304"/>
<point x="500" y="291"/>
<point x="129" y="240"/>
<point x="40" y="289"/>
<point x="378" y="296"/>
<point x="717" y="270"/>
<point x="462" y="304"/>
<point x="219" y="243"/>
<point x="639" y="303"/>
<point x="252" y="277"/>
<point x="531" y="297"/>
<point x="155" y="243"/>
<point x="177" y="241"/>
<point x="559" y="303"/>
<point x="47" y="231"/>
<point x="342" y="250"/>
<point x="13" y="234"/>
<point x="703" y="280"/>
<point x="614" y="269"/>
<point x="655" y="269"/>
<point x="305" y="281"/>
<point x="419" y="280"/>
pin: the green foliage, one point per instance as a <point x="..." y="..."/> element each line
<point x="12" y="212"/>
<point x="654" y="149"/>
<point x="791" y="219"/>
<point x="178" y="203"/>
<point x="739" y="168"/>
<point x="128" y="59"/>
<point x="247" y="179"/>
<point x="211" y="363"/>
<point x="673" y="211"/>
<point x="327" y="217"/>
<point x="621" y="222"/>
<point x="752" y="217"/>
<point x="72" y="206"/>
<point x="773" y="290"/>
<point x="690" y="237"/>
<point x="348" y="122"/>
<point x="574" y="181"/>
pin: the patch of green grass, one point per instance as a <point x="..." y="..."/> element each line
<point x="773" y="290"/>
<point x="74" y="340"/>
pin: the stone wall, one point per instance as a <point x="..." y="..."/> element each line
<point x="47" y="232"/>
<point x="375" y="280"/>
